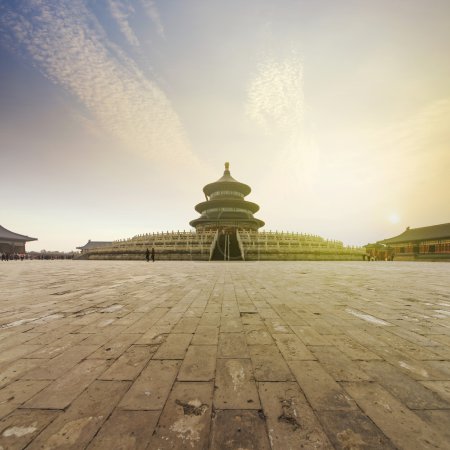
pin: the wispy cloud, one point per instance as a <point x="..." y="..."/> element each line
<point x="275" y="95"/>
<point x="68" y="44"/>
<point x="153" y="14"/>
<point x="121" y="12"/>
<point x="276" y="104"/>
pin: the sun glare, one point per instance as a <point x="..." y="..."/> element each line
<point x="394" y="218"/>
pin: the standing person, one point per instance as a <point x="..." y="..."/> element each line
<point x="153" y="254"/>
<point x="147" y="255"/>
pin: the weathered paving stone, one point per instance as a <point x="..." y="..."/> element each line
<point x="442" y="388"/>
<point x="114" y="347"/>
<point x="170" y="319"/>
<point x="365" y="337"/>
<point x="20" y="338"/>
<point x="60" y="393"/>
<point x="174" y="347"/>
<point x="407" y="347"/>
<point x="309" y="336"/>
<point x="210" y="319"/>
<point x="205" y="335"/>
<point x="442" y="338"/>
<point x="232" y="345"/>
<point x="130" y="363"/>
<point x="195" y="311"/>
<point x="268" y="364"/>
<point x="151" y="388"/>
<point x="250" y="316"/>
<point x="199" y="363"/>
<point x="418" y="370"/>
<point x="22" y="426"/>
<point x="97" y="339"/>
<point x="19" y="351"/>
<point x="292" y="319"/>
<point x="106" y="325"/>
<point x="15" y="394"/>
<point x="239" y="430"/>
<point x="157" y="334"/>
<point x="126" y="430"/>
<point x="70" y="339"/>
<point x="185" y="419"/>
<point x="230" y="325"/>
<point x="438" y="420"/>
<point x="85" y="318"/>
<point x="415" y="338"/>
<point x="291" y="422"/>
<point x="186" y="325"/>
<point x="55" y="335"/>
<point x="404" y="428"/>
<point x="410" y="392"/>
<point x="338" y="365"/>
<point x="259" y="337"/>
<point x="418" y="352"/>
<point x="442" y="367"/>
<point x="14" y="370"/>
<point x="353" y="430"/>
<point x="292" y="348"/>
<point x="323" y="327"/>
<point x="276" y="325"/>
<point x="235" y="386"/>
<point x="129" y="319"/>
<point x="77" y="426"/>
<point x="146" y="322"/>
<point x="442" y="352"/>
<point x="352" y="349"/>
<point x="322" y="392"/>
<point x="59" y="365"/>
<point x="268" y="313"/>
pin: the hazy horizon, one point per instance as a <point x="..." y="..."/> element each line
<point x="115" y="114"/>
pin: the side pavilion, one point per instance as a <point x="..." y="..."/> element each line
<point x="430" y="243"/>
<point x="90" y="245"/>
<point x="12" y="243"/>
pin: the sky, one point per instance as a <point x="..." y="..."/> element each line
<point x="115" y="113"/>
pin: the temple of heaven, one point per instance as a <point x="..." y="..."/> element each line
<point x="226" y="230"/>
<point x="225" y="208"/>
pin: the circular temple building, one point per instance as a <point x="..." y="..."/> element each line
<point x="225" y="208"/>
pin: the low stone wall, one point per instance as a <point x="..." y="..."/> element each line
<point x="268" y="246"/>
<point x="141" y="256"/>
<point x="423" y="257"/>
<point x="314" y="256"/>
<point x="248" y="257"/>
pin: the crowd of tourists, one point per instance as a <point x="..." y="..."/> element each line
<point x="13" y="256"/>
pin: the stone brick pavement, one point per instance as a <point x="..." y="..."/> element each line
<point x="171" y="355"/>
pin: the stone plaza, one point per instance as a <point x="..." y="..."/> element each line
<point x="216" y="355"/>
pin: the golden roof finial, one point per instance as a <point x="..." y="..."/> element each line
<point x="227" y="166"/>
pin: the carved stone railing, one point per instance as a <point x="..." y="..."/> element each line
<point x="213" y="245"/>
<point x="241" y="246"/>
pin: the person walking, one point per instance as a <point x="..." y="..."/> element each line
<point x="153" y="254"/>
<point x="147" y="255"/>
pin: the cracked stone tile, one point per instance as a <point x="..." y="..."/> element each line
<point x="185" y="419"/>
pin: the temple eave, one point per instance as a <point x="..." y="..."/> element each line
<point x="227" y="185"/>
<point x="227" y="203"/>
